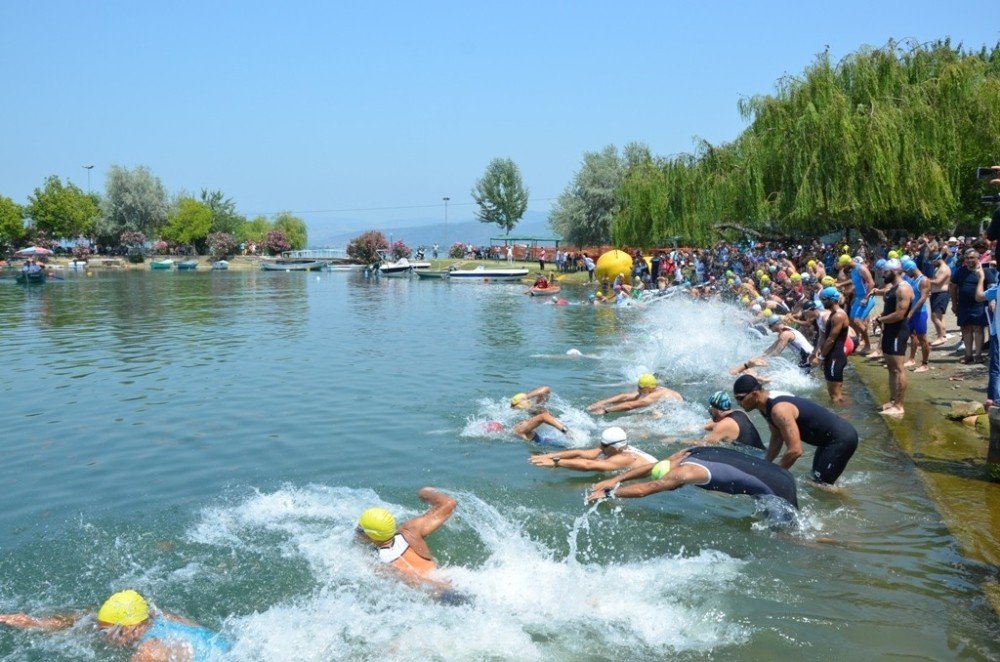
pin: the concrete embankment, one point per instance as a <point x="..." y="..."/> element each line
<point x="950" y="457"/>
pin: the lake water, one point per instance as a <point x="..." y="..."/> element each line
<point x="210" y="439"/>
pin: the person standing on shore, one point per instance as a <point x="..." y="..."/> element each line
<point x="898" y="296"/>
<point x="989" y="296"/>
<point x="940" y="296"/>
<point x="917" y="317"/>
<point x="590" y="265"/>
<point x="541" y="260"/>
<point x="833" y="351"/>
<point x="795" y="421"/>
<point x="971" y="313"/>
<point x="862" y="306"/>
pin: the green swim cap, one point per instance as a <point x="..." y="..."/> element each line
<point x="660" y="469"/>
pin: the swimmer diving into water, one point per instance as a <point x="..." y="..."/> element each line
<point x="613" y="454"/>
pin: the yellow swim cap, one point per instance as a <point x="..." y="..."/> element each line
<point x="124" y="608"/>
<point x="660" y="469"/>
<point x="811" y="263"/>
<point x="760" y="272"/>
<point x="764" y="280"/>
<point x="647" y="381"/>
<point x="893" y="255"/>
<point x="378" y="524"/>
<point x="844" y="260"/>
<point x="520" y="401"/>
<point x="828" y="280"/>
<point x="745" y="300"/>
<point x="796" y="276"/>
<point x="846" y="248"/>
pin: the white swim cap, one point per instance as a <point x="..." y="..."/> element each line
<point x="613" y="436"/>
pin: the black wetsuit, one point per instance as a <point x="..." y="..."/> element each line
<point x="835" y="439"/>
<point x="734" y="472"/>
<point x="895" y="335"/>
<point x="748" y="433"/>
<point x="836" y="360"/>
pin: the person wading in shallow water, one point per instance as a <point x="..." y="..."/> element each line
<point x="127" y="621"/>
<point x="795" y="421"/>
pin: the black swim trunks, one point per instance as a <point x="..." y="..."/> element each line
<point x="939" y="302"/>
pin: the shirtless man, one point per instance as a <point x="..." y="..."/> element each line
<point x="528" y="429"/>
<point x="649" y="392"/>
<point x="940" y="296"/>
<point x="613" y="454"/>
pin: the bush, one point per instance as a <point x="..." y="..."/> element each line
<point x="365" y="247"/>
<point x="161" y="247"/>
<point x="81" y="251"/>
<point x="135" y="256"/>
<point x="223" y="244"/>
<point x="400" y="250"/>
<point x="132" y="239"/>
<point x="275" y="242"/>
<point x="457" y="250"/>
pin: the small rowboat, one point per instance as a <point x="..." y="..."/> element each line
<point x="544" y="291"/>
<point x="220" y="265"/>
<point x="32" y="278"/>
<point x="162" y="264"/>
<point x="288" y="265"/>
<point x="431" y="274"/>
<point x="187" y="265"/>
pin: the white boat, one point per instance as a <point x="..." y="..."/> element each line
<point x="420" y="266"/>
<point x="345" y="267"/>
<point x="483" y="274"/>
<point x="430" y="274"/>
<point x="398" y="269"/>
<point x="220" y="265"/>
<point x="290" y="265"/>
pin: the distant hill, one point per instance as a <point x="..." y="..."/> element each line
<point x="534" y="224"/>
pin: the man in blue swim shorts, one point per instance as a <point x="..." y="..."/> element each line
<point x="918" y="315"/>
<point x="861" y="307"/>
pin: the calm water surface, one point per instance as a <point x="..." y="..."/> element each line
<point x="210" y="439"/>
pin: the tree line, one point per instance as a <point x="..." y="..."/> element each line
<point x="135" y="210"/>
<point x="887" y="139"/>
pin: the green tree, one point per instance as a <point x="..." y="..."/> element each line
<point x="584" y="212"/>
<point x="62" y="211"/>
<point x="134" y="201"/>
<point x="11" y="224"/>
<point x="225" y="218"/>
<point x="501" y="195"/>
<point x="366" y="246"/>
<point x="294" y="230"/>
<point x="254" y="230"/>
<point x="188" y="223"/>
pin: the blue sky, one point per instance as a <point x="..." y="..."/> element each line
<point x="319" y="107"/>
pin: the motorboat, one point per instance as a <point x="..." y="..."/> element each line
<point x="420" y="266"/>
<point x="187" y="265"/>
<point x="485" y="275"/>
<point x="398" y="269"/>
<point x="220" y="265"/>
<point x="161" y="264"/>
<point x="431" y="274"/>
<point x="344" y="267"/>
<point x="291" y="265"/>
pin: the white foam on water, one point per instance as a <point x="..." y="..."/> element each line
<point x="582" y="426"/>
<point x="526" y="603"/>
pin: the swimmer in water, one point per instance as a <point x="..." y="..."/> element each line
<point x="710" y="468"/>
<point x="795" y="421"/>
<point x="613" y="454"/>
<point x="126" y="620"/>
<point x="404" y="549"/>
<point x="649" y="392"/>
<point x="787" y="337"/>
<point x="528" y="430"/>
<point x="729" y="425"/>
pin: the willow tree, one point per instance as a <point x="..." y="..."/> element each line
<point x="886" y="138"/>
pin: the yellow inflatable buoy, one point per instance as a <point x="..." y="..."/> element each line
<point x="613" y="263"/>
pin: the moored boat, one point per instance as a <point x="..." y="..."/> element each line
<point x="220" y="265"/>
<point x="290" y="265"/>
<point x="344" y="267"/>
<point x="397" y="269"/>
<point x="31" y="278"/>
<point x="187" y="265"/>
<point x="481" y="273"/>
<point x="431" y="274"/>
<point x="162" y="264"/>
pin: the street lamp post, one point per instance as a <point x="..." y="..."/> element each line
<point x="447" y="248"/>
<point x="88" y="168"/>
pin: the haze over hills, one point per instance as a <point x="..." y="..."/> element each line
<point x="534" y="224"/>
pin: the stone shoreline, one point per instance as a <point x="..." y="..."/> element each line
<point x="949" y="457"/>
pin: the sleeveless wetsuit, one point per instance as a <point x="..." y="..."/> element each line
<point x="402" y="557"/>
<point x="836" y="360"/>
<point x="835" y="439"/>
<point x="894" y="335"/>
<point x="918" y="322"/>
<point x="548" y="441"/>
<point x="748" y="433"/>
<point x="734" y="472"/>
<point x="859" y="312"/>
<point x="204" y="644"/>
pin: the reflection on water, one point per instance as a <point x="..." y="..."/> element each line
<point x="211" y="438"/>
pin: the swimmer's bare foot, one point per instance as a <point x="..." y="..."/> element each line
<point x="922" y="368"/>
<point x="888" y="405"/>
<point x="893" y="411"/>
<point x="875" y="354"/>
<point x="909" y="364"/>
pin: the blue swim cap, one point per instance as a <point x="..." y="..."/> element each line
<point x="908" y="264"/>
<point x="830" y="294"/>
<point x="766" y="291"/>
<point x="720" y="400"/>
<point x="880" y="264"/>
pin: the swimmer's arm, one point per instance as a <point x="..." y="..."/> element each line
<point x="28" y="622"/>
<point x="632" y="404"/>
<point x="784" y="421"/>
<point x="540" y="394"/>
<point x="775" y="444"/>
<point x="925" y="294"/>
<point x="442" y="506"/>
<point x="778" y="346"/>
<point x="156" y="650"/>
<point x="678" y="477"/>
<point x="720" y="433"/>
<point x="552" y="459"/>
<point x="610" y="464"/>
<point x="607" y="401"/>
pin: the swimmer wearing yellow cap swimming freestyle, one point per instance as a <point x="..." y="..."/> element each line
<point x="127" y="621"/>
<point x="404" y="548"/>
<point x="648" y="392"/>
<point x="528" y="429"/>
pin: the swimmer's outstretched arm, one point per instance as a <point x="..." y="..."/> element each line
<point x="540" y="394"/>
<point x="545" y="459"/>
<point x="28" y="622"/>
<point x="600" y="404"/>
